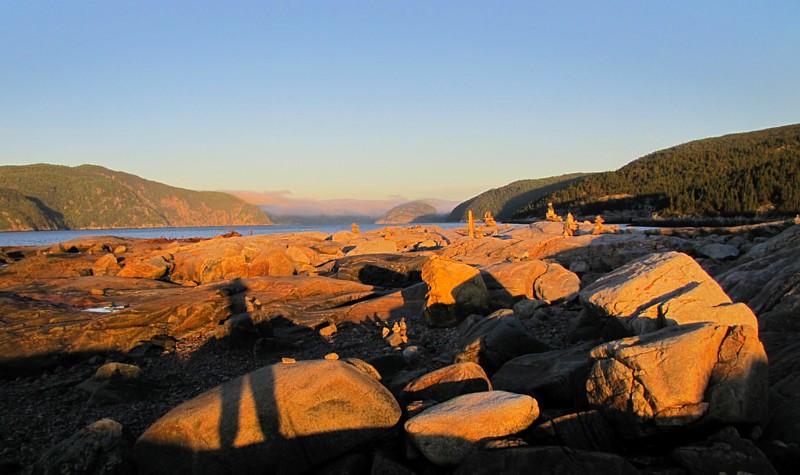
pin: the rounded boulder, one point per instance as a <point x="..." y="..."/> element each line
<point x="288" y="417"/>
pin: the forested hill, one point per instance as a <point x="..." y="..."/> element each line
<point x="504" y="201"/>
<point x="39" y="197"/>
<point x="745" y="174"/>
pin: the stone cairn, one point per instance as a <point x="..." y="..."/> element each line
<point x="551" y="214"/>
<point x="570" y="226"/>
<point x="355" y="229"/>
<point x="470" y="225"/>
<point x="489" y="219"/>
<point x="598" y="225"/>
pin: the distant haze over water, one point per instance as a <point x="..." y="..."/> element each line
<point x="43" y="238"/>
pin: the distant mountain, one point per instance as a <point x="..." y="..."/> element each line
<point x="414" y="211"/>
<point x="41" y="196"/>
<point x="744" y="174"/>
<point x="504" y="201"/>
<point x="320" y="219"/>
<point x="287" y="209"/>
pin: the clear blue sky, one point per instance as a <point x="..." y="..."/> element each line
<point x="372" y="99"/>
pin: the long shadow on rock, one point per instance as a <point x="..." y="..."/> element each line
<point x="284" y="418"/>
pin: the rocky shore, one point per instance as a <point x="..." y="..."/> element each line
<point x="404" y="350"/>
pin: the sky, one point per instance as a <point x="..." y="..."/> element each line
<point x="384" y="99"/>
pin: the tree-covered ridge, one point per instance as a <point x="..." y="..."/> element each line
<point x="740" y="174"/>
<point x="90" y="196"/>
<point x="18" y="213"/>
<point x="504" y="201"/>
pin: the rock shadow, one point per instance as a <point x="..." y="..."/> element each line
<point x="262" y="422"/>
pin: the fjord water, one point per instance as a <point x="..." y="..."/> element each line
<point x="43" y="238"/>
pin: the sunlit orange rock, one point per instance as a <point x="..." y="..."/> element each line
<point x="281" y="419"/>
<point x="106" y="265"/>
<point x="557" y="284"/>
<point x="454" y="291"/>
<point x="224" y="259"/>
<point x="156" y="266"/>
<point x="692" y="374"/>
<point x="509" y="282"/>
<point x="448" y="432"/>
<point x="662" y="290"/>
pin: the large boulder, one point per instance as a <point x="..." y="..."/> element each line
<point x="509" y="282"/>
<point x="661" y="290"/>
<point x="493" y="340"/>
<point x="554" y="378"/>
<point x="106" y="265"/>
<point x="448" y="432"/>
<point x="448" y="382"/>
<point x="157" y="266"/>
<point x="547" y="459"/>
<point x="455" y="290"/>
<point x="695" y="374"/>
<point x="557" y="284"/>
<point x="283" y="418"/>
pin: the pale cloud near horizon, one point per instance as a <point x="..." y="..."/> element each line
<point x="283" y="202"/>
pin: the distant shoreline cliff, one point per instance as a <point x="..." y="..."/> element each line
<point x="50" y="197"/>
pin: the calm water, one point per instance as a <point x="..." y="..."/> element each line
<point x="42" y="238"/>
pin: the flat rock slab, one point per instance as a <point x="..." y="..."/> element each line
<point x="287" y="417"/>
<point x="38" y="332"/>
<point x="448" y="432"/>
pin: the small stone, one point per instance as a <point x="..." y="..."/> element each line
<point x="285" y="360"/>
<point x="415" y="407"/>
<point x="413" y="354"/>
<point x="331" y="356"/>
<point x="98" y="292"/>
<point x="328" y="330"/>
<point x="395" y="339"/>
